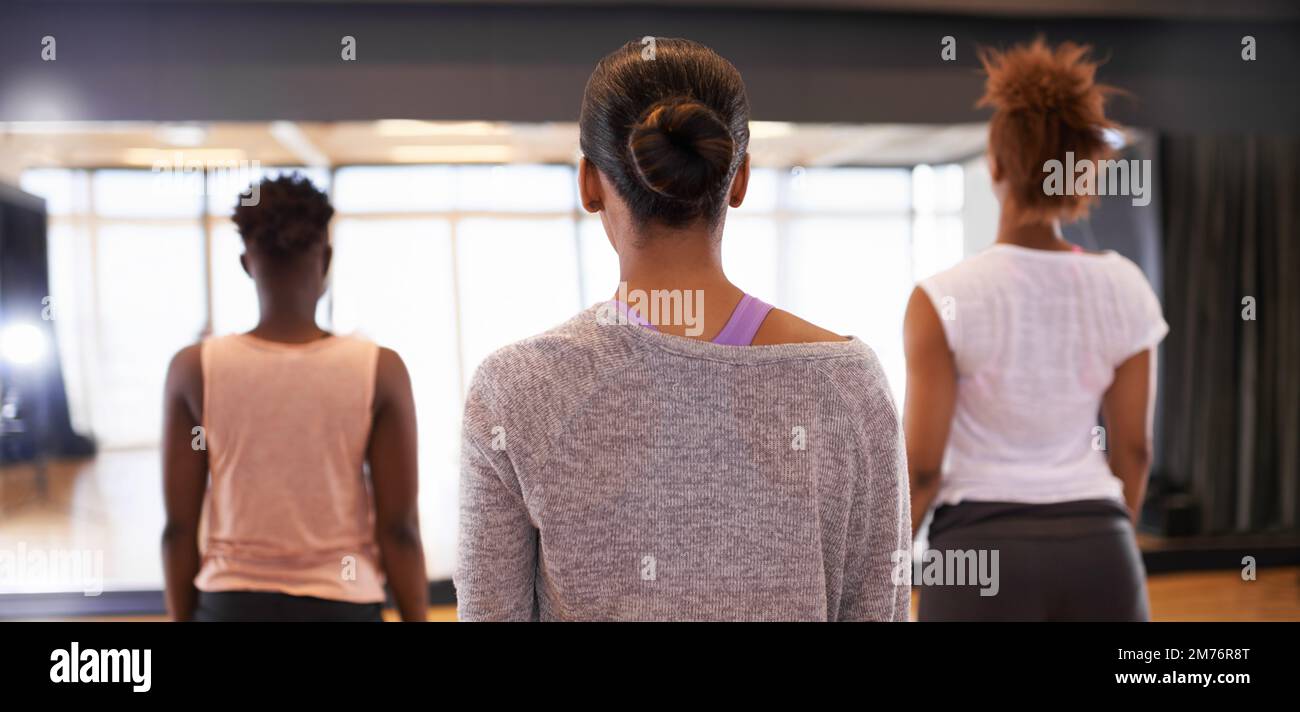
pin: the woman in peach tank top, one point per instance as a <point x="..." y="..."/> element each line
<point x="271" y="433"/>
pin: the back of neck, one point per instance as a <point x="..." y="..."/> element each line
<point x="289" y="328"/>
<point x="1035" y="236"/>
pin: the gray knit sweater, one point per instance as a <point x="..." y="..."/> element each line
<point x="612" y="472"/>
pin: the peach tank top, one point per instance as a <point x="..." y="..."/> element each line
<point x="289" y="506"/>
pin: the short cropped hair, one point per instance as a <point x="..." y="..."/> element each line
<point x="289" y="216"/>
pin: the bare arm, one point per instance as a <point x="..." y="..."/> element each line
<point x="931" y="398"/>
<point x="185" y="481"/>
<point x="1129" y="411"/>
<point x="394" y="472"/>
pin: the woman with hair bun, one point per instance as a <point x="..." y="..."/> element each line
<point x="628" y="465"/>
<point x="1012" y="354"/>
<point x="278" y="428"/>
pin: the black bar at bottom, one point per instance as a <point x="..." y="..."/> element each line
<point x="252" y="662"/>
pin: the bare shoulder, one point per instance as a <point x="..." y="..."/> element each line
<point x="186" y="367"/>
<point x="922" y="327"/>
<point x="782" y="327"/>
<point x="392" y="380"/>
<point x="184" y="384"/>
<point x="390" y="365"/>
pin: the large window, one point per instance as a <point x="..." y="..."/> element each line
<point x="444" y="264"/>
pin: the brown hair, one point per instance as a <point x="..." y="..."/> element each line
<point x="1045" y="103"/>
<point x="670" y="129"/>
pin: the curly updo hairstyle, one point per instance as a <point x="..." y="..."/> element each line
<point x="289" y="216"/>
<point x="1045" y="103"/>
<point x="669" y="128"/>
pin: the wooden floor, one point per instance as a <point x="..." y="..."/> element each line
<point x="1223" y="596"/>
<point x="114" y="504"/>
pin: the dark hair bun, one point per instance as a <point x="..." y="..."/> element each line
<point x="682" y="150"/>
<point x="668" y="130"/>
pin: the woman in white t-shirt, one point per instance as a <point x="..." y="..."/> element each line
<point x="1011" y="356"/>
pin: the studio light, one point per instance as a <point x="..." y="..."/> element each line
<point x="22" y="344"/>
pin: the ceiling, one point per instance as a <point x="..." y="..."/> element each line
<point x="1164" y="9"/>
<point x="144" y="144"/>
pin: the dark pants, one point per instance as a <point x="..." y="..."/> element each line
<point x="1069" y="561"/>
<point x="263" y="606"/>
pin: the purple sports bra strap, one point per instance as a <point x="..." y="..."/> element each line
<point x="744" y="322"/>
<point x="632" y="315"/>
<point x="738" y="331"/>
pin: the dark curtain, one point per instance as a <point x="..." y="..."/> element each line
<point x="1231" y="421"/>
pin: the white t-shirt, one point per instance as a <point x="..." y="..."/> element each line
<point x="1037" y="336"/>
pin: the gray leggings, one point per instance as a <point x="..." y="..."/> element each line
<point x="1069" y="561"/>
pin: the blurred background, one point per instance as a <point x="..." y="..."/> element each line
<point x="448" y="147"/>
